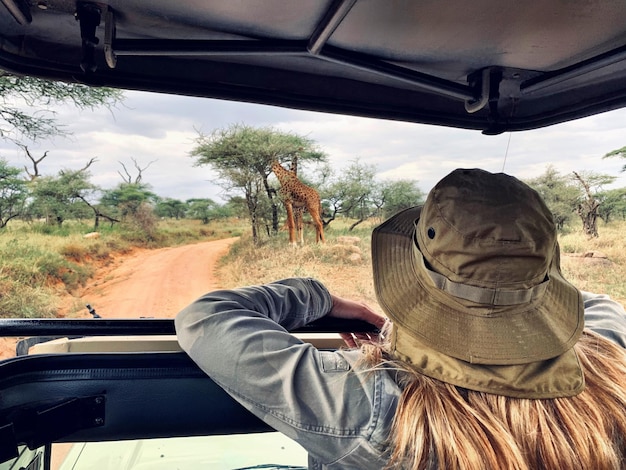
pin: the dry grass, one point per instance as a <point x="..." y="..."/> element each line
<point x="332" y="264"/>
<point x="343" y="263"/>
<point x="595" y="274"/>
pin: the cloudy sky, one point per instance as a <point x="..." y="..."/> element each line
<point x="159" y="130"/>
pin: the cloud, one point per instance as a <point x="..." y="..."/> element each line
<point x="160" y="130"/>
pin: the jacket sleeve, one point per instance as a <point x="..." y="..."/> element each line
<point x="605" y="316"/>
<point x="240" y="339"/>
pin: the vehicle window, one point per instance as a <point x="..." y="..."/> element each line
<point x="155" y="185"/>
<point x="214" y="452"/>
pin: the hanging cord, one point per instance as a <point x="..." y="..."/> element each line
<point x="507" y="152"/>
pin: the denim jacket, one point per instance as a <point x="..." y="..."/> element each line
<point x="324" y="400"/>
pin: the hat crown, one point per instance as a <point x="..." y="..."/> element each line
<point x="487" y="230"/>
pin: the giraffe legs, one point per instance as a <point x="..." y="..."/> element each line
<point x="319" y="230"/>
<point x="298" y="216"/>
<point x="319" y="225"/>
<point x="290" y="223"/>
<point x="295" y="224"/>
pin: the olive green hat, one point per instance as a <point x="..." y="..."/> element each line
<point x="472" y="283"/>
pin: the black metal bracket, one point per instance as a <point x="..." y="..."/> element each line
<point x="88" y="15"/>
<point x="42" y="424"/>
<point x="109" y="38"/>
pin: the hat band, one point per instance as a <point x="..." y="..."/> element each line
<point x="560" y="376"/>
<point x="481" y="295"/>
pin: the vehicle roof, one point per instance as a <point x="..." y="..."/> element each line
<point x="492" y="66"/>
<point x="489" y="65"/>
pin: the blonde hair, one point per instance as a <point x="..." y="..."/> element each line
<point x="440" y="426"/>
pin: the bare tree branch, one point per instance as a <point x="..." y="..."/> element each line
<point x="35" y="161"/>
<point x="128" y="178"/>
<point x="89" y="163"/>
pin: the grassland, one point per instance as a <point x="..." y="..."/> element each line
<point x="594" y="273"/>
<point x="343" y="262"/>
<point x="39" y="265"/>
<point x="335" y="262"/>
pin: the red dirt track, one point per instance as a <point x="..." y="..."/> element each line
<point x="157" y="283"/>
<point x="149" y="283"/>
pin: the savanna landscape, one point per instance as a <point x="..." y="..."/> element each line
<point x="56" y="274"/>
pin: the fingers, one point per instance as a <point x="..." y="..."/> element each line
<point x="355" y="340"/>
<point x="375" y="319"/>
<point x="349" y="340"/>
<point x="349" y="309"/>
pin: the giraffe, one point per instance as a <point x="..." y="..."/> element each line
<point x="299" y="196"/>
<point x="298" y="211"/>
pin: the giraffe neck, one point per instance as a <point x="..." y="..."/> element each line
<point x="283" y="175"/>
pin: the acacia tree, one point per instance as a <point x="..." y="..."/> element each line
<point x="242" y="155"/>
<point x="205" y="210"/>
<point x="559" y="193"/>
<point x="621" y="153"/>
<point x="589" y="204"/>
<point x="134" y="204"/>
<point x="612" y="202"/>
<point x="356" y="193"/>
<point x="25" y="104"/>
<point x="170" y="207"/>
<point x="577" y="193"/>
<point x="26" y="112"/>
<point x="58" y="198"/>
<point x="351" y="193"/>
<point x="13" y="193"/>
<point x="127" y="199"/>
<point x="399" y="195"/>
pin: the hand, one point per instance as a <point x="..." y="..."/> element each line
<point x="351" y="310"/>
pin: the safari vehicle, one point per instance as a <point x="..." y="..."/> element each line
<point x="136" y="401"/>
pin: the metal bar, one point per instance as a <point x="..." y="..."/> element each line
<point x="141" y="327"/>
<point x="85" y="327"/>
<point x="411" y="77"/>
<point x="574" y="71"/>
<point x="206" y="48"/>
<point x="227" y="48"/>
<point x="329" y="23"/>
<point x="19" y="10"/>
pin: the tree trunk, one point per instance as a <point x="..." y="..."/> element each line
<point x="251" y="203"/>
<point x="355" y="224"/>
<point x="588" y="212"/>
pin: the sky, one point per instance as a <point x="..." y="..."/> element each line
<point x="159" y="131"/>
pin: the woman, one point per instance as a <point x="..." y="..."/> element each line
<point x="485" y="364"/>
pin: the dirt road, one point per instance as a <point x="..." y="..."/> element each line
<point x="149" y="283"/>
<point x="156" y="283"/>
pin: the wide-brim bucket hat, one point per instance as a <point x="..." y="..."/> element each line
<point x="472" y="283"/>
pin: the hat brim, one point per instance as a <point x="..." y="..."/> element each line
<point x="559" y="377"/>
<point x="480" y="334"/>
